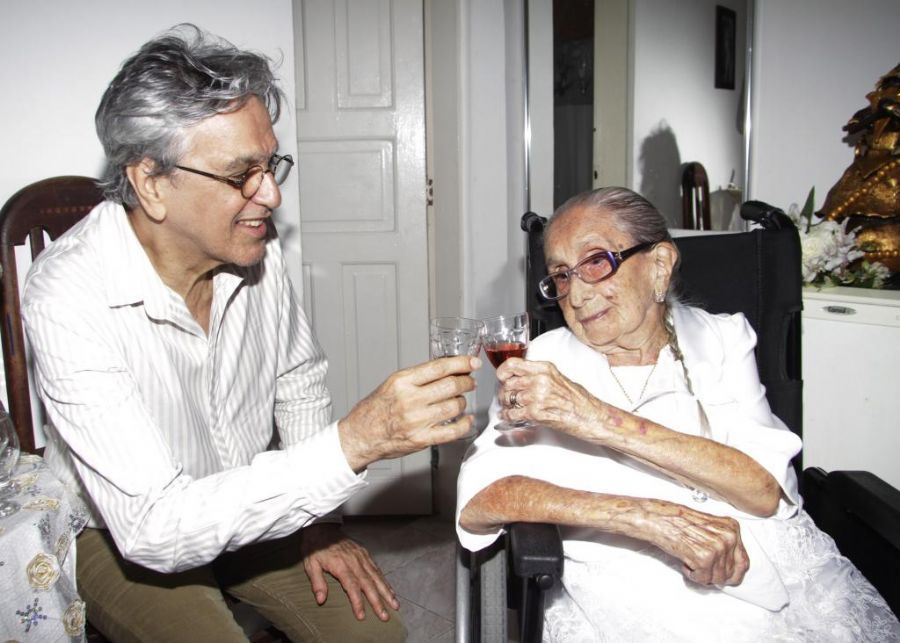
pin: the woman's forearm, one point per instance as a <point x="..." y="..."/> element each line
<point x="523" y="499"/>
<point x="718" y="469"/>
<point x="708" y="546"/>
<point x="549" y="398"/>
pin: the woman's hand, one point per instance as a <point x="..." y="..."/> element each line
<point x="709" y="547"/>
<point x="537" y="391"/>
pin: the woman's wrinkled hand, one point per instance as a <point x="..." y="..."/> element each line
<point x="709" y="547"/>
<point x="538" y="392"/>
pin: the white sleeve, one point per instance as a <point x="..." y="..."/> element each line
<point x="739" y="412"/>
<point x="486" y="462"/>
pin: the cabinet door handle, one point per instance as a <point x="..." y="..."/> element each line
<point x="840" y="310"/>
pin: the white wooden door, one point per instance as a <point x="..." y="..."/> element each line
<point x="361" y="161"/>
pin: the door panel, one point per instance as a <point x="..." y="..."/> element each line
<point x="365" y="199"/>
<point x="363" y="54"/>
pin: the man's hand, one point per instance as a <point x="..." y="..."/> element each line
<point x="325" y="548"/>
<point x="405" y="413"/>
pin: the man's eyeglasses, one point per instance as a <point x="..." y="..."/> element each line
<point x="250" y="181"/>
<point x="592" y="269"/>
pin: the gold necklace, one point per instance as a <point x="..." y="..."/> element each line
<point x="643" y="388"/>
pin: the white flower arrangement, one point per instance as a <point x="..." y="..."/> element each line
<point x="830" y="254"/>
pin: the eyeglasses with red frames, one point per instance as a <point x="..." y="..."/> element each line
<point x="250" y="181"/>
<point x="591" y="270"/>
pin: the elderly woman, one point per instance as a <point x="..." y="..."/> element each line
<point x="657" y="454"/>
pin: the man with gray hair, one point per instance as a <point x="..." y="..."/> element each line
<point x="184" y="389"/>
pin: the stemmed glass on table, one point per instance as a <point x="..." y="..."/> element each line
<point x="9" y="456"/>
<point x="504" y="337"/>
<point x="449" y="336"/>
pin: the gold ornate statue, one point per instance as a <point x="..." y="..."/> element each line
<point x="868" y="193"/>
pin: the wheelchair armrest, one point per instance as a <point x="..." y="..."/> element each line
<point x="536" y="558"/>
<point x="535" y="550"/>
<point x="862" y="494"/>
<point x="861" y="512"/>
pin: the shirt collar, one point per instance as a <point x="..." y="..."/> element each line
<point x="130" y="276"/>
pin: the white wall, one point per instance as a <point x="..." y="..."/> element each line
<point x="678" y="114"/>
<point x="442" y="118"/>
<point x="477" y="155"/>
<point x="59" y="56"/>
<point x="815" y="61"/>
<point x="491" y="183"/>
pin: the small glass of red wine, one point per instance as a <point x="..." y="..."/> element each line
<point x="504" y="337"/>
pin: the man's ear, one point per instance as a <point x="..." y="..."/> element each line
<point x="149" y="188"/>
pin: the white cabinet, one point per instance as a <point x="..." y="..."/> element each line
<point x="851" y="373"/>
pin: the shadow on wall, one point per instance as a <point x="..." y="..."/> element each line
<point x="660" y="167"/>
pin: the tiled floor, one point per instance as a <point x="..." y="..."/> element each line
<point x="417" y="555"/>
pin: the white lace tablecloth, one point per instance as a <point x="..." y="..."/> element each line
<point x="38" y="596"/>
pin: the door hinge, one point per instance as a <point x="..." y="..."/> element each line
<point x="429" y="191"/>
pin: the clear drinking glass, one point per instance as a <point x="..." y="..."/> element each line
<point x="449" y="336"/>
<point x="9" y="456"/>
<point x="504" y="337"/>
<point x="9" y="447"/>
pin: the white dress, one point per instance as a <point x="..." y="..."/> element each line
<point x="798" y="588"/>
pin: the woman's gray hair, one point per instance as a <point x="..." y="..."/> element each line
<point x="172" y="83"/>
<point x="626" y="210"/>
<point x="629" y="213"/>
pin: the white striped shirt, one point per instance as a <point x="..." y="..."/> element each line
<point x="165" y="429"/>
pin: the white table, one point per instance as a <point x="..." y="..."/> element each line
<point x="38" y="596"/>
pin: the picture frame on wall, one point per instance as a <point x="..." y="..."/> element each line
<point x="726" y="35"/>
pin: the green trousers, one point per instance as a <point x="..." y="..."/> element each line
<point x="127" y="602"/>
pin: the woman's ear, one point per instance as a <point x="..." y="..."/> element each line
<point x="149" y="188"/>
<point x="665" y="256"/>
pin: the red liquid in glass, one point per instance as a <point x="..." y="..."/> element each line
<point x="499" y="353"/>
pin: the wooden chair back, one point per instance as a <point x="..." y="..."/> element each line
<point x="49" y="207"/>
<point x="695" y="198"/>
